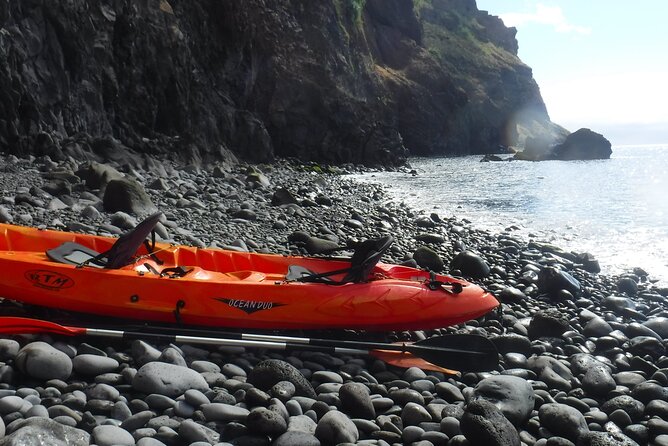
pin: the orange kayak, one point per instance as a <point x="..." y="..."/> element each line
<point x="220" y="288"/>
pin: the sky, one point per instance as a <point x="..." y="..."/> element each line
<point x="600" y="64"/>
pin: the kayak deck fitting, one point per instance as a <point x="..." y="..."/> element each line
<point x="129" y="278"/>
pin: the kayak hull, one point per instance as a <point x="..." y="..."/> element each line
<point x="228" y="288"/>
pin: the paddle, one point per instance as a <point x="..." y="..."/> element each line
<point x="465" y="352"/>
<point x="462" y="352"/>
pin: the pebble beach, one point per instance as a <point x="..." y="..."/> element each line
<point x="582" y="354"/>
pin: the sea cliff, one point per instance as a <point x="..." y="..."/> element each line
<point x="332" y="81"/>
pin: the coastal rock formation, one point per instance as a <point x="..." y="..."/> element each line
<point x="583" y="144"/>
<point x="335" y="81"/>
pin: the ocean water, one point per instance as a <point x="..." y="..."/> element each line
<point x="615" y="209"/>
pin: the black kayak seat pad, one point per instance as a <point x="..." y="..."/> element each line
<point x="76" y="254"/>
<point x="121" y="253"/>
<point x="296" y="272"/>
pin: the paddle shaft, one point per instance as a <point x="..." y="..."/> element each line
<point x="415" y="348"/>
<point x="467" y="352"/>
<point x="253" y="343"/>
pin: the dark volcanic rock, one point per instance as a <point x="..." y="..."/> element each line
<point x="513" y="396"/>
<point x="628" y="404"/>
<point x="356" y="402"/>
<point x="428" y="258"/>
<point x="605" y="439"/>
<point x="483" y="423"/>
<point x="552" y="280"/>
<point x="563" y="420"/>
<point x="598" y="381"/>
<point x="548" y="323"/>
<point x="583" y="145"/>
<point x="267" y="373"/>
<point x="580" y="145"/>
<point x="470" y="265"/>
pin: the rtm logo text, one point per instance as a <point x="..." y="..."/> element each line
<point x="48" y="279"/>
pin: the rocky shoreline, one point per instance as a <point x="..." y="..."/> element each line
<point x="583" y="355"/>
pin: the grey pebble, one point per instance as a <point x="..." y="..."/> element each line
<point x="283" y="390"/>
<point x="183" y="409"/>
<point x="413" y="414"/>
<point x="563" y="421"/>
<point x="167" y="379"/>
<point x="11" y="403"/>
<point x="159" y="402"/>
<point x="204" y="366"/>
<point x="102" y="392"/>
<point x="192" y="432"/>
<point x="512" y="395"/>
<point x="8" y="349"/>
<point x="137" y="420"/>
<point x="107" y="435"/>
<point x="88" y="364"/>
<point x="149" y="441"/>
<point x="335" y="427"/>
<point x="265" y="421"/>
<point x="356" y="401"/>
<point x="195" y="397"/>
<point x="324" y="376"/>
<point x="301" y="423"/>
<point x="224" y="412"/>
<point x="296" y="438"/>
<point x="41" y="361"/>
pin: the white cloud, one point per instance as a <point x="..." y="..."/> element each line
<point x="544" y="15"/>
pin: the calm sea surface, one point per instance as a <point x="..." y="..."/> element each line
<point x="616" y="209"/>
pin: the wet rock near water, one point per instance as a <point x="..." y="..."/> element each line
<point x="582" y="355"/>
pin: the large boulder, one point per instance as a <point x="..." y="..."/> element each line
<point x="583" y="145"/>
<point x="97" y="175"/>
<point x="37" y="430"/>
<point x="127" y="195"/>
<point x="580" y="145"/>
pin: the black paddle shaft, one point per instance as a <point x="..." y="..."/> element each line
<point x="241" y="342"/>
<point x="464" y="352"/>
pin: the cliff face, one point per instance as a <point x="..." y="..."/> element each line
<point x="332" y="80"/>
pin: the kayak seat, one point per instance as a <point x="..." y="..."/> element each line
<point x="121" y="253"/>
<point x="297" y="272"/>
<point x="76" y="254"/>
<point x="367" y="254"/>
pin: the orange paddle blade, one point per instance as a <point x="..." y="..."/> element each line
<point x="407" y="360"/>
